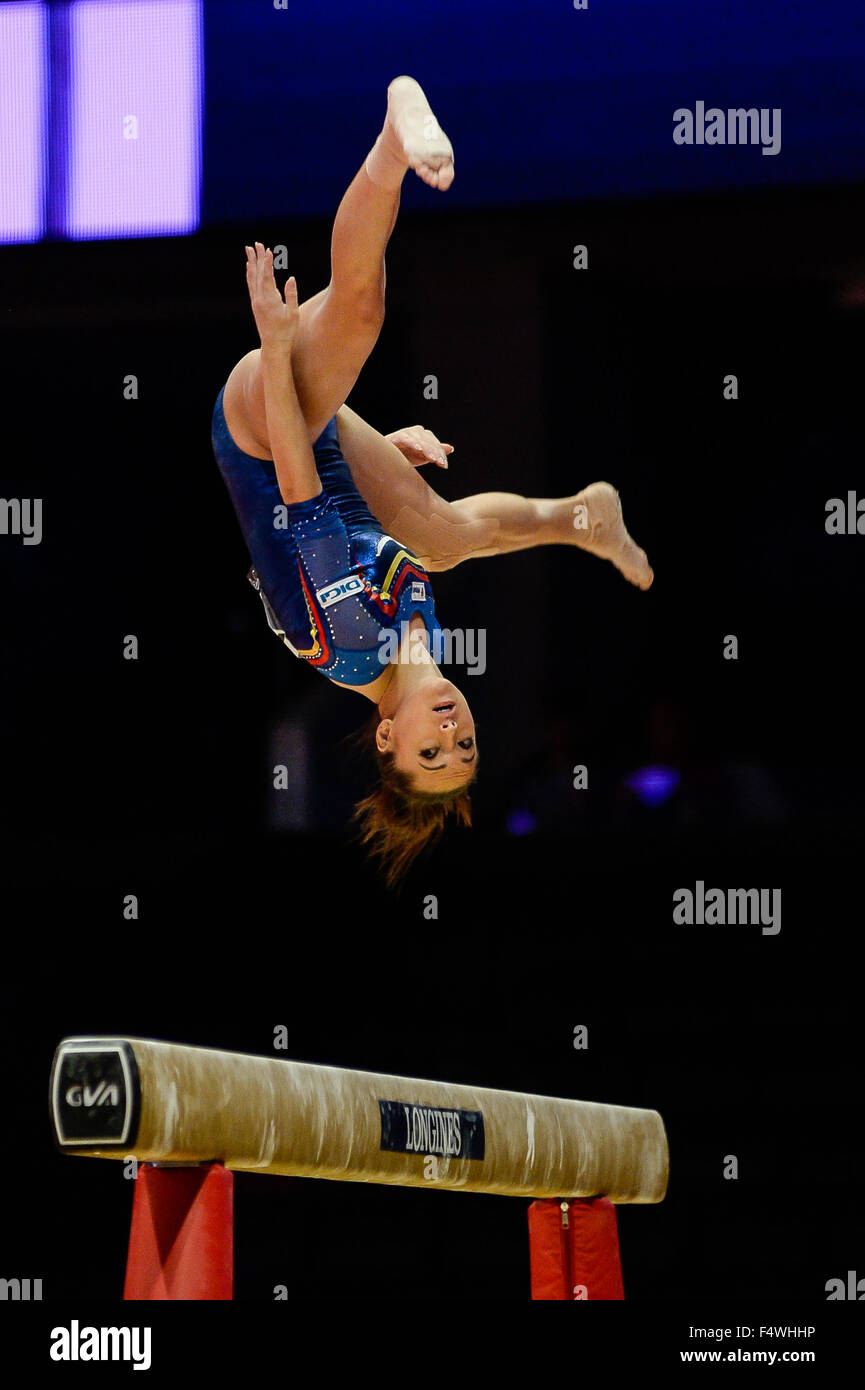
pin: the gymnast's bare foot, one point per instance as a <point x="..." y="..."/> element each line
<point x="410" y="139"/>
<point x="599" y="528"/>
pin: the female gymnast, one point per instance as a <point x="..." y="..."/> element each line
<point x="341" y="529"/>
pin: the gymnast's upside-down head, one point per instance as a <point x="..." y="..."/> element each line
<point x="427" y="758"/>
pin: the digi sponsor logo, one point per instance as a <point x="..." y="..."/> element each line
<point x="340" y="589"/>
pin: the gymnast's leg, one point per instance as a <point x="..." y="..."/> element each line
<point x="444" y="534"/>
<point x="339" y="325"/>
<point x="591" y="520"/>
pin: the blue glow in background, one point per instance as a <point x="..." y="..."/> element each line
<point x="543" y="103"/>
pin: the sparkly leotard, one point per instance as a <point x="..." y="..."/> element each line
<point x="334" y="585"/>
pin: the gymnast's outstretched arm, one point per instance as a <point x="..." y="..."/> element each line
<point x="277" y="324"/>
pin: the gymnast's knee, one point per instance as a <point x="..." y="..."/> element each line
<point x="361" y="302"/>
<point x="459" y="535"/>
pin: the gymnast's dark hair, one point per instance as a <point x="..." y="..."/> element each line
<point x="397" y="823"/>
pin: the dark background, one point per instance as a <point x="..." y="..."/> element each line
<point x="153" y="777"/>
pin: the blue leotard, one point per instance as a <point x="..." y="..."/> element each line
<point x="332" y="582"/>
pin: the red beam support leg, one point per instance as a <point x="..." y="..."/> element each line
<point x="182" y="1237"/>
<point x="574" y="1250"/>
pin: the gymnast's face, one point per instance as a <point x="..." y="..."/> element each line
<point x="432" y="737"/>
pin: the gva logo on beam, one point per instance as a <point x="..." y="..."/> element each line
<point x="103" y="1094"/>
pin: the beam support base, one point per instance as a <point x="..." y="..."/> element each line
<point x="182" y="1236"/>
<point x="574" y="1250"/>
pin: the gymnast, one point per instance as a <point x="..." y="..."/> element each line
<point x="341" y="529"/>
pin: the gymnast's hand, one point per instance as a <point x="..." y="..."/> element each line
<point x="420" y="446"/>
<point x="276" y="321"/>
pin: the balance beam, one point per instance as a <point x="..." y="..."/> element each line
<point x="169" y="1104"/>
